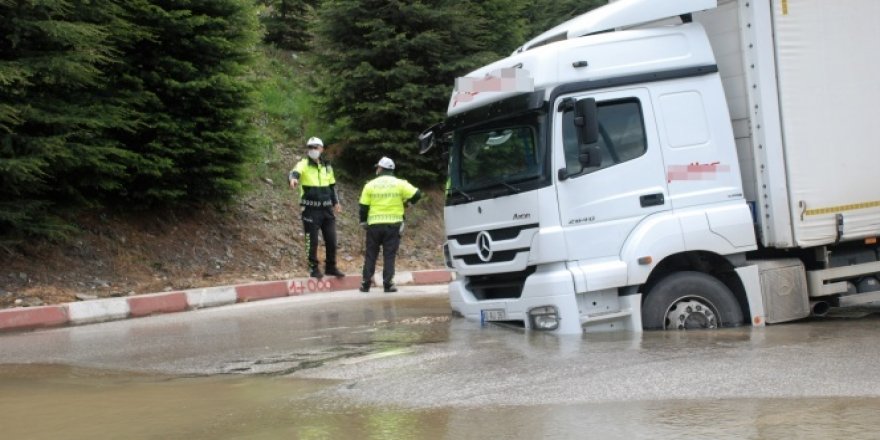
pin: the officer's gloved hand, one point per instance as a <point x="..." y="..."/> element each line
<point x="400" y="231"/>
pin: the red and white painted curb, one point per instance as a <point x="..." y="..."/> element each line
<point x="109" y="309"/>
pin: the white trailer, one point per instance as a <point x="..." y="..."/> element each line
<point x="669" y="165"/>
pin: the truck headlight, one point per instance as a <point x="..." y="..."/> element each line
<point x="544" y="318"/>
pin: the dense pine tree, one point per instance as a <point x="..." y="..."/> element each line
<point x="134" y="103"/>
<point x="287" y="23"/>
<point x="55" y="108"/>
<point x="131" y="103"/>
<point x="194" y="133"/>
<point x="389" y="66"/>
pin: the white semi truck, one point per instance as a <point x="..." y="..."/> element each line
<point x="669" y="164"/>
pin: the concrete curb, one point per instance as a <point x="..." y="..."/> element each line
<point x="111" y="309"/>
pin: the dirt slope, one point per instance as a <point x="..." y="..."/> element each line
<point x="257" y="239"/>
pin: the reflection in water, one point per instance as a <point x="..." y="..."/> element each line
<point x="717" y="419"/>
<point x="51" y="402"/>
<point x="406" y="371"/>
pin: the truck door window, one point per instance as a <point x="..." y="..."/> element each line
<point x="621" y="135"/>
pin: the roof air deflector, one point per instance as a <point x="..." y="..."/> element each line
<point x="621" y="13"/>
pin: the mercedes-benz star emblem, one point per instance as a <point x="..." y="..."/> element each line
<point x="484" y="246"/>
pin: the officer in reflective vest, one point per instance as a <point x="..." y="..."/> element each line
<point x="382" y="204"/>
<point x="317" y="195"/>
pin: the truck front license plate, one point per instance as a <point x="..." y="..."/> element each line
<point x="494" y="315"/>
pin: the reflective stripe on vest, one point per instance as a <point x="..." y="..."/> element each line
<point x="385" y="195"/>
<point x="314" y="183"/>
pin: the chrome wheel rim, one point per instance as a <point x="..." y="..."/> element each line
<point x="691" y="313"/>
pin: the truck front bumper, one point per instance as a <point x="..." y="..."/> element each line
<point x="547" y="289"/>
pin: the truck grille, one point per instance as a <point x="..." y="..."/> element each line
<point x="496" y="234"/>
<point x="497" y="257"/>
<point x="499" y="285"/>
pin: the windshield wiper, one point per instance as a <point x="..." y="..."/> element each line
<point x="467" y="197"/>
<point x="510" y="187"/>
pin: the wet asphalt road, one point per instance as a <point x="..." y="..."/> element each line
<point x="265" y="337"/>
<point x="334" y="365"/>
<point x="409" y="340"/>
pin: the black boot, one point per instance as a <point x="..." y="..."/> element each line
<point x="365" y="287"/>
<point x="333" y="271"/>
<point x="315" y="273"/>
<point x="389" y="288"/>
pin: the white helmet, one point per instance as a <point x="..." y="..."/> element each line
<point x="386" y="163"/>
<point x="315" y="141"/>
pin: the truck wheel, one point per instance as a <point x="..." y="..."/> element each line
<point x="690" y="300"/>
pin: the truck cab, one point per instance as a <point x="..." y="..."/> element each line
<point x="596" y="179"/>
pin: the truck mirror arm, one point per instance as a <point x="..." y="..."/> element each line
<point x="426" y="138"/>
<point x="562" y="174"/>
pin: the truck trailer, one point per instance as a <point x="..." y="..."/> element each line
<point x="675" y="164"/>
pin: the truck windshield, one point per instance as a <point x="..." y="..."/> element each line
<point x="501" y="155"/>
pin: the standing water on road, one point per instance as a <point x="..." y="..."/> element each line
<point x="50" y="402"/>
<point x="374" y="367"/>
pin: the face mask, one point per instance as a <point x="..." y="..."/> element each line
<point x="314" y="154"/>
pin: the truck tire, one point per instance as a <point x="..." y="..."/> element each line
<point x="690" y="300"/>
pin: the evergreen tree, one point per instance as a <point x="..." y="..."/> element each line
<point x="287" y="22"/>
<point x="389" y="66"/>
<point x="505" y="25"/>
<point x="119" y="101"/>
<point x="194" y="132"/>
<point x="55" y="106"/>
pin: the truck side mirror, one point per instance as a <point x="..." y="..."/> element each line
<point x="426" y="138"/>
<point x="586" y="121"/>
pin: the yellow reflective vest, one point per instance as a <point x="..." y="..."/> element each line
<point x="317" y="184"/>
<point x="384" y="198"/>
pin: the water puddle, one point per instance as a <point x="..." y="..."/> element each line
<point x="404" y="370"/>
<point x="52" y="402"/>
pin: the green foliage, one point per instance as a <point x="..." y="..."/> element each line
<point x="140" y="102"/>
<point x="137" y="103"/>
<point x="283" y="104"/>
<point x="388" y="66"/>
<point x="284" y="99"/>
<point x="286" y="22"/>
<point x="55" y="106"/>
<point x="194" y="124"/>
<point x="505" y="25"/>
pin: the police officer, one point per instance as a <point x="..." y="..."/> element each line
<point x="317" y="195"/>
<point x="382" y="204"/>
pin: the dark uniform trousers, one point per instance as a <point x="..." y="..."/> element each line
<point x="388" y="237"/>
<point x="320" y="219"/>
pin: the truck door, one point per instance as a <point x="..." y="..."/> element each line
<point x="599" y="206"/>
